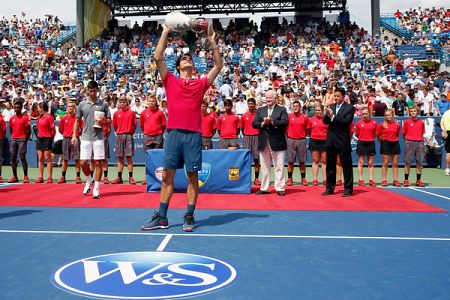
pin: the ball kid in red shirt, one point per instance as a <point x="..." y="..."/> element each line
<point x="124" y="124"/>
<point x="228" y="125"/>
<point x="208" y="127"/>
<point x="69" y="150"/>
<point x="20" y="131"/>
<point x="46" y="131"/>
<point x="413" y="131"/>
<point x="317" y="131"/>
<point x="388" y="133"/>
<point x="366" y="130"/>
<point x="250" y="140"/>
<point x="296" y="143"/>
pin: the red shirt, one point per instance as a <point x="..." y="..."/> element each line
<point x="246" y="124"/>
<point x="2" y="128"/>
<point x="45" y="126"/>
<point x="228" y="125"/>
<point x="106" y="130"/>
<point x="19" y="126"/>
<point x="366" y="130"/>
<point x="184" y="101"/>
<point x="153" y="122"/>
<point x="317" y="129"/>
<point x="390" y="133"/>
<point x="208" y="125"/>
<point x="66" y="125"/>
<point x="413" y="130"/>
<point x="297" y="126"/>
<point x="124" y="121"/>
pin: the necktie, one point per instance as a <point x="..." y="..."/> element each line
<point x="338" y="106"/>
<point x="269" y="111"/>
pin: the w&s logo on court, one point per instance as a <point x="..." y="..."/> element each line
<point x="144" y="275"/>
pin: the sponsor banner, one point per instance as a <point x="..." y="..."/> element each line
<point x="144" y="275"/>
<point x="223" y="171"/>
<point x="416" y="52"/>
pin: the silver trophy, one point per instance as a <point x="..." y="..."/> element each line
<point x="178" y="21"/>
<point x="98" y="117"/>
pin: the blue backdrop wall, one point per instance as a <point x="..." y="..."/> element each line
<point x="140" y="156"/>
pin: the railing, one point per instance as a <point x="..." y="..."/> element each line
<point x="390" y="22"/>
<point x="65" y="35"/>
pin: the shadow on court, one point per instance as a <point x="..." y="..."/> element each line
<point x="227" y="218"/>
<point x="18" y="213"/>
<point x="223" y="219"/>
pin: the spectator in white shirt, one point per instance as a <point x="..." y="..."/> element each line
<point x="137" y="107"/>
<point x="428" y="103"/>
<point x="241" y="107"/>
<point x="226" y="89"/>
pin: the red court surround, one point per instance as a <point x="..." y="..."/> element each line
<point x="297" y="198"/>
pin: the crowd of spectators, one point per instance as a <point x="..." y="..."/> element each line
<point x="430" y="26"/>
<point x="302" y="61"/>
<point x="425" y="21"/>
<point x="29" y="32"/>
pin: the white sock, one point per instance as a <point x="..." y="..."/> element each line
<point x="97" y="185"/>
<point x="89" y="179"/>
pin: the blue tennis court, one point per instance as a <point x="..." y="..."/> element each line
<point x="275" y="254"/>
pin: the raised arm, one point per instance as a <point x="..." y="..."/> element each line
<point x="159" y="51"/>
<point x="218" y="64"/>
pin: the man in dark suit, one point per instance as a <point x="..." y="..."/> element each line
<point x="271" y="120"/>
<point x="338" y="117"/>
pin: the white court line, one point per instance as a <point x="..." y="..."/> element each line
<point x="164" y="243"/>
<point x="232" y="235"/>
<point x="430" y="193"/>
<point x="437" y="187"/>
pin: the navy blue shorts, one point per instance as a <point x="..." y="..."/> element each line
<point x="183" y="148"/>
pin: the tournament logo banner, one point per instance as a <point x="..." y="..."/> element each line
<point x="144" y="275"/>
<point x="222" y="171"/>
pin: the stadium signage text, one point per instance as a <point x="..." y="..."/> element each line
<point x="416" y="52"/>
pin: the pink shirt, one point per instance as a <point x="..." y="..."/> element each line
<point x="184" y="100"/>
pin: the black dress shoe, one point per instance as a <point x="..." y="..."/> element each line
<point x="259" y="192"/>
<point x="347" y="194"/>
<point x="327" y="193"/>
<point x="281" y="193"/>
